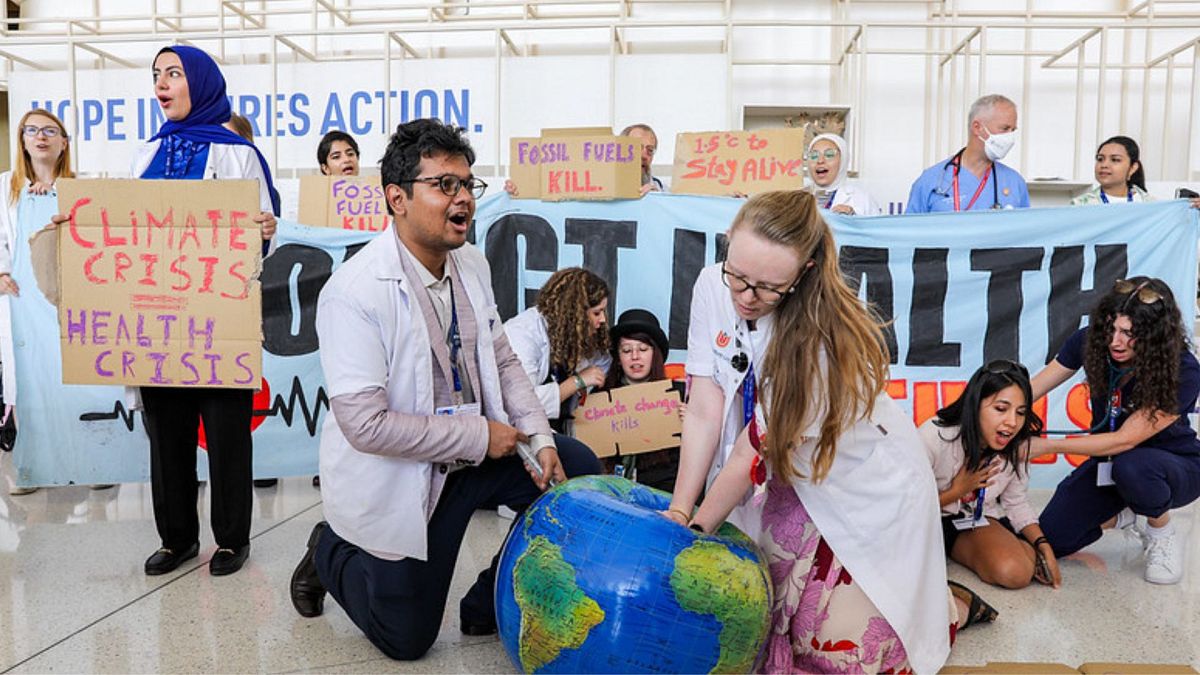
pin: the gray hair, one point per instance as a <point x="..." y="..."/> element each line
<point x="644" y="127"/>
<point x="986" y="104"/>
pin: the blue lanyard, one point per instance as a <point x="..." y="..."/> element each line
<point x="749" y="393"/>
<point x="1128" y="197"/>
<point x="455" y="343"/>
<point x="829" y="204"/>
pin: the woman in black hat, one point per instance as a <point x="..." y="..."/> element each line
<point x="639" y="349"/>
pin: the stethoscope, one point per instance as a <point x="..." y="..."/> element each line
<point x="1111" y="411"/>
<point x="955" y="163"/>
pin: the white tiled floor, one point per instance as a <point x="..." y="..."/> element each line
<point x="77" y="601"/>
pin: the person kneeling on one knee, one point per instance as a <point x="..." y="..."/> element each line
<point x="428" y="403"/>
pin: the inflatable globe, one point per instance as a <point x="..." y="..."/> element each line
<point x="592" y="579"/>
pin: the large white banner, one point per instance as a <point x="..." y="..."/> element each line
<point x="117" y="109"/>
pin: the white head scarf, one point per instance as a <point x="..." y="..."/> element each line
<point x="843" y="166"/>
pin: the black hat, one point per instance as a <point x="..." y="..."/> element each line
<point x="639" y="321"/>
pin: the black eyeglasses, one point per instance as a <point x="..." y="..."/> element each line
<point x="771" y="296"/>
<point x="1006" y="367"/>
<point x="450" y="184"/>
<point x="48" y="132"/>
<point x="1142" y="291"/>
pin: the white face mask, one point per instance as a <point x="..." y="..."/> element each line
<point x="996" y="146"/>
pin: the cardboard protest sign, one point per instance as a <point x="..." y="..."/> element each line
<point x="723" y="162"/>
<point x="344" y="202"/>
<point x="630" y="420"/>
<point x="576" y="164"/>
<point x="158" y="283"/>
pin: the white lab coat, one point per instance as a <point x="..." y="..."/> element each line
<point x="527" y="333"/>
<point x="8" y="235"/>
<point x="878" y="511"/>
<point x="373" y="332"/>
<point x="716" y="334"/>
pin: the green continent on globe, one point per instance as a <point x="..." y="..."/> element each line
<point x="555" y="612"/>
<point x="710" y="579"/>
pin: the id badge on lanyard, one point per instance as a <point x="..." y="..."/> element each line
<point x="1104" y="468"/>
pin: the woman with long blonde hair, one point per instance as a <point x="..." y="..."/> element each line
<point x="44" y="158"/>
<point x="563" y="341"/>
<point x="849" y="505"/>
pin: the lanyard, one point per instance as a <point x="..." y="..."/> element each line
<point x="455" y="346"/>
<point x="1128" y="197"/>
<point x="956" y="163"/>
<point x="829" y="204"/>
<point x="1114" y="409"/>
<point x="749" y="394"/>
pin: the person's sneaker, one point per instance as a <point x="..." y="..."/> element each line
<point x="1127" y="523"/>
<point x="21" y="491"/>
<point x="1164" y="559"/>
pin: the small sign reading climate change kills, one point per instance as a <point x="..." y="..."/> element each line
<point x="158" y="283"/>
<point x="630" y="420"/>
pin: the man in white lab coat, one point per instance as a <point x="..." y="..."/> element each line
<point x="428" y="404"/>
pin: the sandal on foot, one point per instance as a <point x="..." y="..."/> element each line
<point x="978" y="611"/>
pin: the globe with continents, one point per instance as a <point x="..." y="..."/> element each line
<point x="594" y="579"/>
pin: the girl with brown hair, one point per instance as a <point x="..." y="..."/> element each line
<point x="563" y="341"/>
<point x="849" y="504"/>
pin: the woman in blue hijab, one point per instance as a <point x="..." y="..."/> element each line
<point x="192" y="145"/>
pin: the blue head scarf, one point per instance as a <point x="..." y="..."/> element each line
<point x="183" y="139"/>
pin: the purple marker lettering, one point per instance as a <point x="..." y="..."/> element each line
<point x="127" y="359"/>
<point x="207" y="332"/>
<point x="158" y="358"/>
<point x="244" y="367"/>
<point x="100" y="369"/>
<point x="186" y="360"/>
<point x="77" y="327"/>
<point x="99" y="323"/>
<point x="213" y="360"/>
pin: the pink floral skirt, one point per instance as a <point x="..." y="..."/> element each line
<point x="822" y="621"/>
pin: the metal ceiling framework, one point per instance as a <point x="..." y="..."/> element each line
<point x="957" y="45"/>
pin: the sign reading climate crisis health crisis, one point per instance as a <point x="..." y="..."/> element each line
<point x="724" y="162"/>
<point x="630" y="420"/>
<point x="576" y="164"/>
<point x="344" y="202"/>
<point x="158" y="283"/>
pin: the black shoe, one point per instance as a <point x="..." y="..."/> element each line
<point x="478" y="629"/>
<point x="266" y="482"/>
<point x="316" y="481"/>
<point x="167" y="560"/>
<point x="308" y="595"/>
<point x="228" y="560"/>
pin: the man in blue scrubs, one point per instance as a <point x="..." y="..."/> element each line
<point x="974" y="179"/>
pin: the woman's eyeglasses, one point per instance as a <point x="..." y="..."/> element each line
<point x="765" y="294"/>
<point x="48" y="132"/>
<point x="829" y="154"/>
<point x="1142" y="291"/>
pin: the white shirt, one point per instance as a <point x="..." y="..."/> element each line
<point x="8" y="234"/>
<point x="716" y="336"/>
<point x="374" y="336"/>
<point x="528" y="335"/>
<point x="854" y="196"/>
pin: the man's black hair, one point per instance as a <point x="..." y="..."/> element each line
<point x="326" y="145"/>
<point x="415" y="140"/>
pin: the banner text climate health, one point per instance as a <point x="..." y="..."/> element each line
<point x="294" y="114"/>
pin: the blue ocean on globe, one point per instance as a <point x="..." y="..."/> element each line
<point x="593" y="579"/>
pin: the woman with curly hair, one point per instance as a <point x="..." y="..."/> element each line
<point x="975" y="446"/>
<point x="1145" y="458"/>
<point x="849" y="503"/>
<point x="563" y="341"/>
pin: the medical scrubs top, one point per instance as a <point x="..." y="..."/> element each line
<point x="934" y="189"/>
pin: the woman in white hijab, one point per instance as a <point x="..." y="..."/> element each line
<point x="828" y="167"/>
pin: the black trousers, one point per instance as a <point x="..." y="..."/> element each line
<point x="398" y="604"/>
<point x="172" y="418"/>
